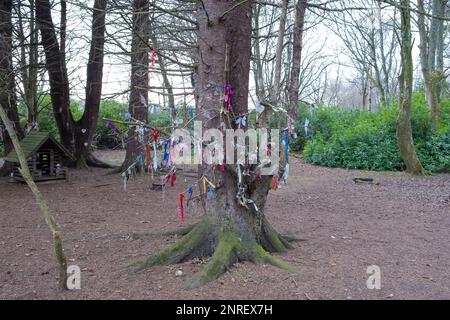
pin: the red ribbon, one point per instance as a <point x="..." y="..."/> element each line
<point x="153" y="57"/>
<point x="155" y="135"/>
<point x="275" y="183"/>
<point x="181" y="216"/>
<point x="172" y="180"/>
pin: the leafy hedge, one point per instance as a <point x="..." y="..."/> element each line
<point x="364" y="140"/>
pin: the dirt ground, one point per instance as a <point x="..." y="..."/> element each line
<point x="401" y="224"/>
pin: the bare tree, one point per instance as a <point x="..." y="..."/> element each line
<point x="404" y="130"/>
<point x="139" y="77"/>
<point x="432" y="55"/>
<point x="294" y="86"/>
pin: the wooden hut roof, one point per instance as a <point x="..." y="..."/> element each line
<point x="32" y="142"/>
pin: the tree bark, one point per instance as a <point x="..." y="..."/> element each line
<point x="139" y="77"/>
<point x="57" y="72"/>
<point x="275" y="94"/>
<point x="404" y="130"/>
<point x="228" y="232"/>
<point x="86" y="126"/>
<point x="431" y="57"/>
<point x="63" y="29"/>
<point x="297" y="48"/>
<point x="75" y="136"/>
<point x="7" y="84"/>
<point x="166" y="81"/>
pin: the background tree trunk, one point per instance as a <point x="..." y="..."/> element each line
<point x="166" y="81"/>
<point x="297" y="48"/>
<point x="75" y="136"/>
<point x="7" y="84"/>
<point x="404" y="130"/>
<point x="431" y="56"/>
<point x="139" y="77"/>
<point x="57" y="72"/>
<point x="86" y="126"/>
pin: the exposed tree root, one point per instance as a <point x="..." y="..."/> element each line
<point x="94" y="162"/>
<point x="84" y="162"/>
<point x="271" y="240"/>
<point x="81" y="164"/>
<point x="180" y="232"/>
<point x="180" y="250"/>
<point x="225" y="255"/>
<point x="290" y="238"/>
<point x="224" y="246"/>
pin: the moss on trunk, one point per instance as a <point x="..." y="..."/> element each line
<point x="223" y="244"/>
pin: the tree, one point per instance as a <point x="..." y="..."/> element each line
<point x="86" y="126"/>
<point x="229" y="231"/>
<point x="404" y="129"/>
<point x="432" y="55"/>
<point x="138" y="104"/>
<point x="76" y="136"/>
<point x="297" y="47"/>
<point x="370" y="41"/>
<point x="57" y="73"/>
<point x="7" y="84"/>
<point x="29" y="58"/>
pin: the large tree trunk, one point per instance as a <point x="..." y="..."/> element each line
<point x="86" y="126"/>
<point x="228" y="232"/>
<point x="7" y="85"/>
<point x="297" y="48"/>
<point x="75" y="136"/>
<point x="139" y="77"/>
<point x="404" y="130"/>
<point x="57" y="72"/>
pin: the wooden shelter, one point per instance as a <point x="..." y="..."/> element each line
<point x="45" y="157"/>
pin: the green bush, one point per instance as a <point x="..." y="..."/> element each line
<point x="364" y="140"/>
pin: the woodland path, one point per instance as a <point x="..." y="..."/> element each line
<point x="400" y="224"/>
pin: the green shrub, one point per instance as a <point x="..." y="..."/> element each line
<point x="364" y="140"/>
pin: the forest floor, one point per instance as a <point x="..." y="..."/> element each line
<point x="400" y="224"/>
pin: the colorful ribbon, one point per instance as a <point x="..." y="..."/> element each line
<point x="110" y="124"/>
<point x="153" y="57"/>
<point x="155" y="157"/>
<point x="228" y="97"/>
<point x="181" y="216"/>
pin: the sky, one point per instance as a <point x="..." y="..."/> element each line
<point x="117" y="73"/>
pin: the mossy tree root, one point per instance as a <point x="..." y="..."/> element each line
<point x="230" y="250"/>
<point x="180" y="232"/>
<point x="223" y="245"/>
<point x="271" y="240"/>
<point x="180" y="250"/>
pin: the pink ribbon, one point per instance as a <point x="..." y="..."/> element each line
<point x="228" y="97"/>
